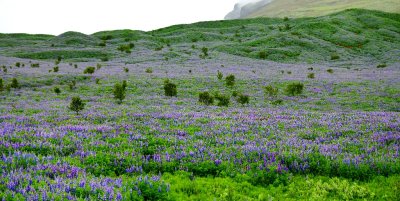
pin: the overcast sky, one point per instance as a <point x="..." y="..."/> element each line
<point x="89" y="16"/>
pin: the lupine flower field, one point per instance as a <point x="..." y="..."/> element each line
<point x="338" y="139"/>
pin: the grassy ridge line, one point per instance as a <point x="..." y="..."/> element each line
<point x="352" y="34"/>
<point x="312" y="8"/>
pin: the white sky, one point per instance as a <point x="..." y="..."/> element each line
<point x="89" y="16"/>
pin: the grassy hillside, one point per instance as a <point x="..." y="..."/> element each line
<point x="312" y="8"/>
<point x="351" y="35"/>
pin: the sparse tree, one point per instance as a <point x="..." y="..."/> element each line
<point x="14" y="83"/>
<point x="76" y="104"/>
<point x="230" y="80"/>
<point x="119" y="92"/>
<point x="170" y="88"/>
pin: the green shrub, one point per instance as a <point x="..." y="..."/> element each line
<point x="220" y="75"/>
<point x="14" y="83"/>
<point x="204" y="50"/>
<point x="98" y="66"/>
<point x="223" y="100"/>
<point x="119" y="92"/>
<point x="382" y="65"/>
<point x="149" y="70"/>
<point x="126" y="48"/>
<point x="271" y="91"/>
<point x="329" y="71"/>
<point x="206" y="98"/>
<point x="1" y="85"/>
<point x="89" y="70"/>
<point x="18" y="64"/>
<point x="335" y="57"/>
<point x="230" y="80"/>
<point x="55" y="69"/>
<point x="57" y="90"/>
<point x="76" y="104"/>
<point x="311" y="75"/>
<point x="294" y="89"/>
<point x="262" y="55"/>
<point x="75" y="65"/>
<point x="170" y="88"/>
<point x="97" y="80"/>
<point x="124" y="84"/>
<point x="243" y="99"/>
<point x="72" y="85"/>
<point x="126" y="70"/>
<point x="36" y="65"/>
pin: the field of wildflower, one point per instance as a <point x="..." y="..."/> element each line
<point x="339" y="139"/>
<point x="255" y="109"/>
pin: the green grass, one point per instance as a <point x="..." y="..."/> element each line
<point x="354" y="34"/>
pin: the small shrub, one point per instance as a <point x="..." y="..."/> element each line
<point x="106" y="37"/>
<point x="57" y="90"/>
<point x="149" y="70"/>
<point x="18" y="64"/>
<point x="170" y="88"/>
<point x="277" y="102"/>
<point x="55" y="69"/>
<point x="126" y="70"/>
<point x="220" y="75"/>
<point x="206" y="98"/>
<point x="285" y="19"/>
<point x="76" y="105"/>
<point x="223" y="100"/>
<point x="119" y="92"/>
<point x="98" y="66"/>
<point x="36" y="65"/>
<point x="89" y="70"/>
<point x="335" y="57"/>
<point x="271" y="91"/>
<point x="329" y="71"/>
<point x="72" y="85"/>
<point x="311" y="75"/>
<point x="243" y="99"/>
<point x="382" y="65"/>
<point x="124" y="84"/>
<point x="262" y="55"/>
<point x="97" y="80"/>
<point x="1" y="85"/>
<point x="75" y="65"/>
<point x="294" y="89"/>
<point x="235" y="94"/>
<point x="104" y="59"/>
<point x="14" y="83"/>
<point x="289" y="72"/>
<point x="230" y="80"/>
<point x="126" y="48"/>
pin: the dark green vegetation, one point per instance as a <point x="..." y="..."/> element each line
<point x="344" y="36"/>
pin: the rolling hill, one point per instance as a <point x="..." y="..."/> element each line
<point x="311" y="8"/>
<point x="350" y="35"/>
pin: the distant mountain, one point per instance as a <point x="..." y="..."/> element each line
<point x="306" y="8"/>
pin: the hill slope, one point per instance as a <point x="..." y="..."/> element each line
<point x="312" y="8"/>
<point x="351" y="35"/>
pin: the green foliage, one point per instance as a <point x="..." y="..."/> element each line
<point x="119" y="92"/>
<point x="170" y="88"/>
<point x="76" y="104"/>
<point x="18" y="64"/>
<point x="14" y="83"/>
<point x="329" y="71"/>
<point x="126" y="70"/>
<point x="149" y="70"/>
<point x="1" y="85"/>
<point x="262" y="55"/>
<point x="126" y="48"/>
<point x="223" y="100"/>
<point x="294" y="89"/>
<point x="57" y="90"/>
<point x="230" y="80"/>
<point x="35" y="65"/>
<point x="89" y="70"/>
<point x="206" y="98"/>
<point x="72" y="85"/>
<point x="382" y="65"/>
<point x="220" y="75"/>
<point x="311" y="75"/>
<point x="243" y="99"/>
<point x="204" y="50"/>
<point x="55" y="69"/>
<point x="67" y="54"/>
<point x="271" y="91"/>
<point x="335" y="56"/>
